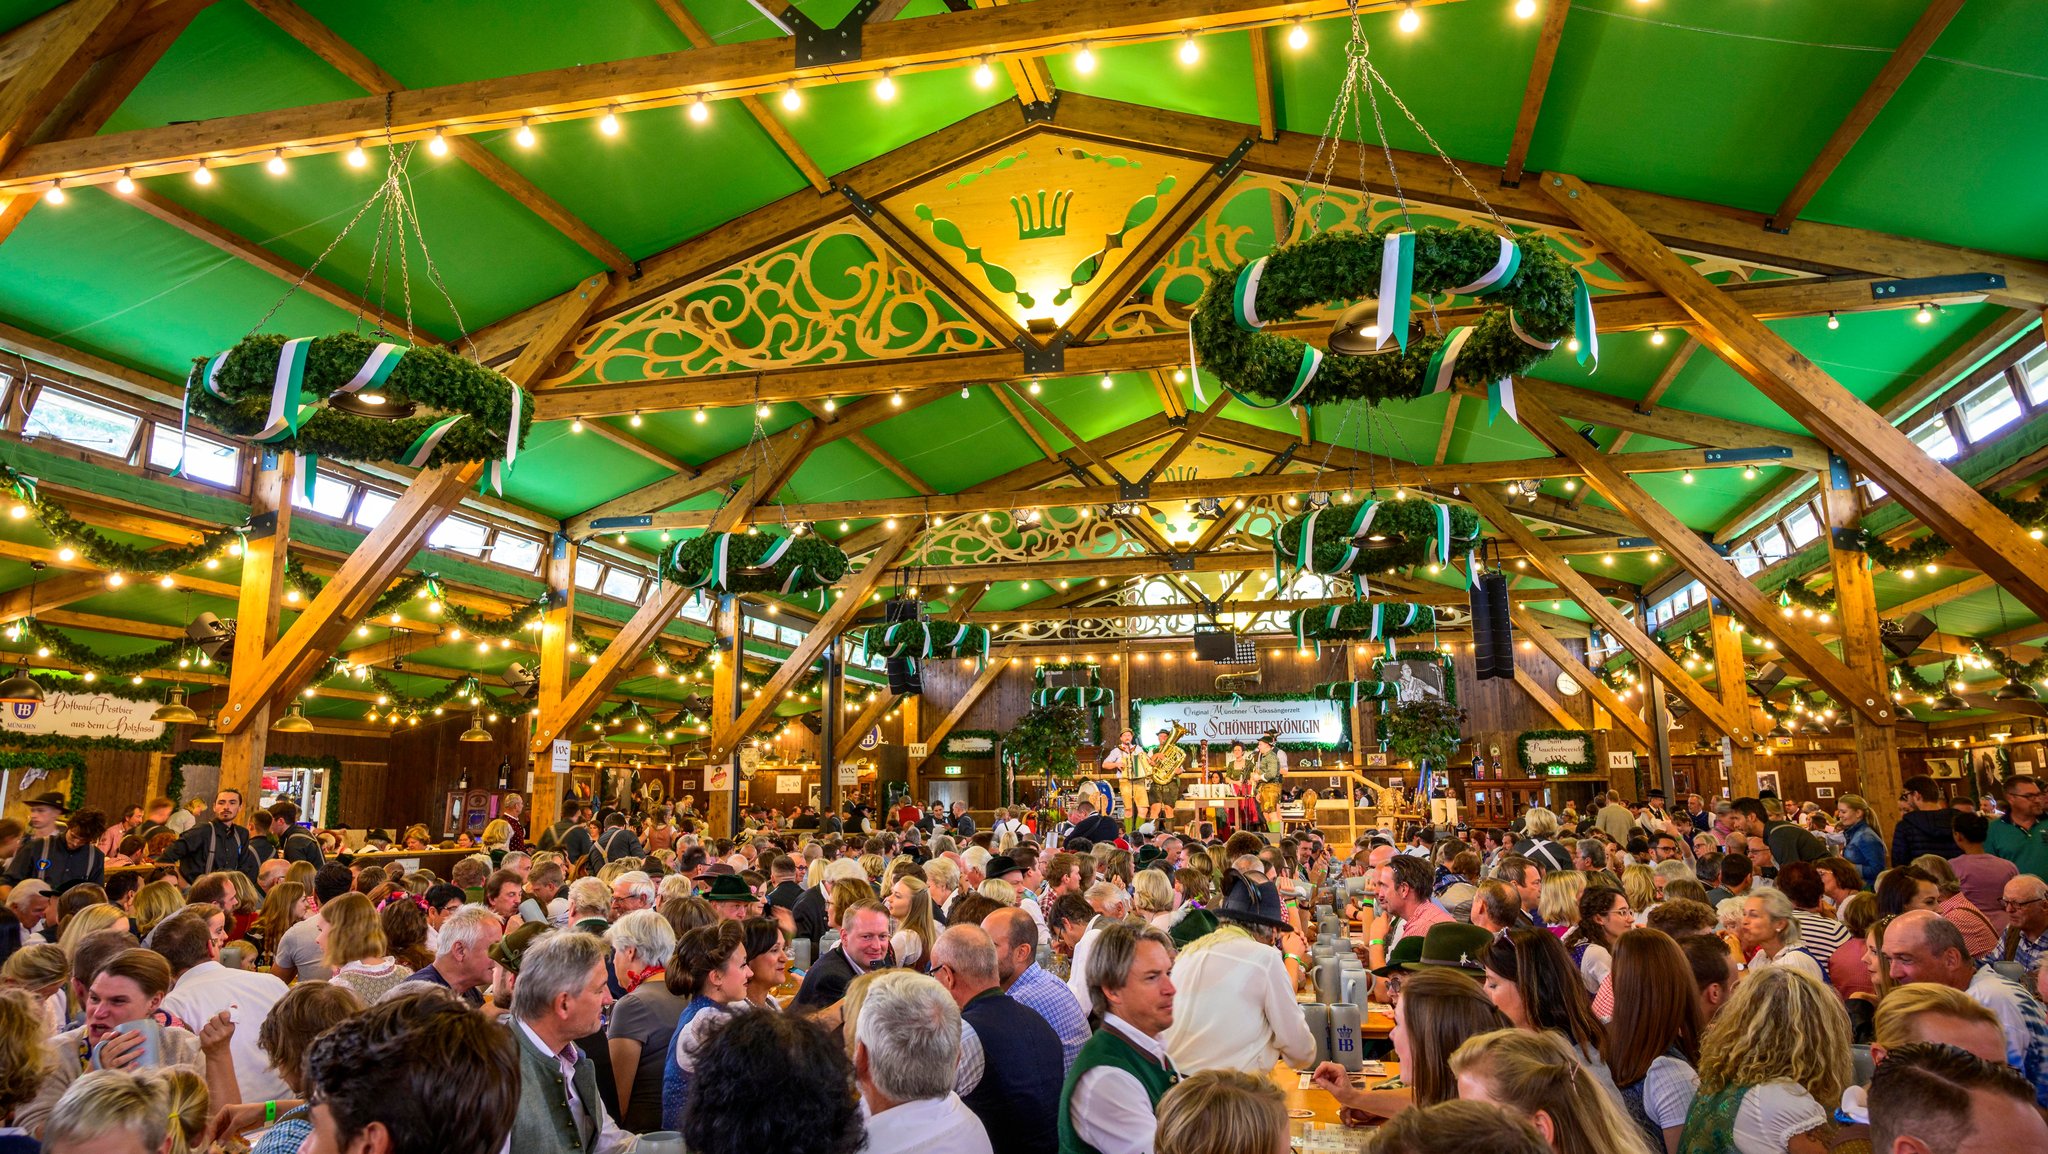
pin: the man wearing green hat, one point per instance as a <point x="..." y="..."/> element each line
<point x="731" y="899"/>
<point x="1240" y="1013"/>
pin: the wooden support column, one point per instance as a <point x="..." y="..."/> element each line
<point x="1880" y="451"/>
<point x="1353" y="672"/>
<point x="320" y="629"/>
<point x="1877" y="742"/>
<point x="556" y="632"/>
<point x="997" y="662"/>
<point x="256" y="616"/>
<point x="82" y="33"/>
<point x="909" y="728"/>
<point x="1729" y="672"/>
<point x="1546" y="642"/>
<point x="1546" y="701"/>
<point x="728" y="669"/>
<point x="1611" y="620"/>
<point x="1720" y="578"/>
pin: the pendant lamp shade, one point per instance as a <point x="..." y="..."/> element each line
<point x="174" y="711"/>
<point x="293" y="721"/>
<point x="20" y="689"/>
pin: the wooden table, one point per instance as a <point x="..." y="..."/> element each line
<point x="1322" y="1121"/>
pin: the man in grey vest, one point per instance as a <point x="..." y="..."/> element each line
<point x="561" y="996"/>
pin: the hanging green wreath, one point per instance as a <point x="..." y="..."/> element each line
<point x="281" y="392"/>
<point x="923" y="640"/>
<point x="1582" y="763"/>
<point x="1536" y="300"/>
<point x="754" y="563"/>
<point x="1374" y="537"/>
<point x="1362" y="622"/>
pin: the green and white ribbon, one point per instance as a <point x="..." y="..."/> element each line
<point x="1522" y="334"/>
<point x="1443" y="363"/>
<point x="376" y="369"/>
<point x="24" y="486"/>
<point x="1500" y="276"/>
<point x="423" y="446"/>
<point x="1244" y="299"/>
<point x="1500" y="398"/>
<point x="1583" y="328"/>
<point x="1397" y="285"/>
<point x="287" y="387"/>
<point x="1443" y="541"/>
<point x="209" y="379"/>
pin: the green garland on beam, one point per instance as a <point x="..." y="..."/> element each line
<point x="2030" y="515"/>
<point x="236" y="399"/>
<point x="1530" y="766"/>
<point x="805" y="563"/>
<point x="1345" y="266"/>
<point x="1362" y="622"/>
<point x="112" y="556"/>
<point x="2030" y="671"/>
<point x="1795" y="594"/>
<point x="100" y="667"/>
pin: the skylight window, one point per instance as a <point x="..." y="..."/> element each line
<point x="208" y="460"/>
<point x="80" y="422"/>
<point x="516" y="552"/>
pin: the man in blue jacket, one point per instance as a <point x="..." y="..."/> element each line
<point x="1861" y="843"/>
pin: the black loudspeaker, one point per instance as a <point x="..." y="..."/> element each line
<point x="904" y="680"/>
<point x="1903" y="637"/>
<point x="1493" y="636"/>
<point x="1766" y="680"/>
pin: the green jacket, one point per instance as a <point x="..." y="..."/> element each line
<point x="544" y="1124"/>
<point x="1109" y="1048"/>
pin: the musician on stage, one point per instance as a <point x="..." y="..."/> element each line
<point x="1164" y="765"/>
<point x="1127" y="761"/>
<point x="1265" y="776"/>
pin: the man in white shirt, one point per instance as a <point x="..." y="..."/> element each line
<point x="906" y="1049"/>
<point x="1112" y="1094"/>
<point x="561" y="996"/>
<point x="1110" y="903"/>
<point x="1239" y="1010"/>
<point x="203" y="987"/>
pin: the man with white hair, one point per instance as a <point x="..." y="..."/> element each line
<point x="632" y="890"/>
<point x="2026" y="933"/>
<point x="561" y="996"/>
<point x="1110" y="904"/>
<point x="462" y="958"/>
<point x="590" y="903"/>
<point x="973" y="867"/>
<point x="1541" y="825"/>
<point x="942" y="881"/>
<point x="906" y="1049"/>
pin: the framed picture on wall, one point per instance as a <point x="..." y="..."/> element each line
<point x="1767" y="780"/>
<point x="1824" y="792"/>
<point x="1945" y="768"/>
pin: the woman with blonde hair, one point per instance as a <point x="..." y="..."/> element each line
<point x="1558" y="901"/>
<point x="91" y="920"/>
<point x="1639" y="882"/>
<point x="43" y="972"/>
<point x="163" y="1110"/>
<point x="1152" y="898"/>
<point x="155" y="902"/>
<point x="1222" y="1112"/>
<point x="23" y="1058"/>
<point x="998" y="890"/>
<point x="1772" y="1068"/>
<point x="910" y="908"/>
<point x="1537" y="1075"/>
<point x="302" y="873"/>
<point x="352" y="942"/>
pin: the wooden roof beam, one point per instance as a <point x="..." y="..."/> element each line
<point x="1237" y="561"/>
<point x="365" y="73"/>
<point x="694" y="32"/>
<point x="1919" y="40"/>
<point x="57" y="55"/>
<point x="1547" y="40"/>
<point x="1546" y="642"/>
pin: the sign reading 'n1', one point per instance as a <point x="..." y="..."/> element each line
<point x="62" y="714"/>
<point x="1220" y="721"/>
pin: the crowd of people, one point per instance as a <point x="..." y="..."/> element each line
<point x="1640" y="979"/>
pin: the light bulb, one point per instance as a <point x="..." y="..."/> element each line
<point x="1189" y="50"/>
<point x="525" y="135"/>
<point x="896" y="400"/>
<point x="1033" y="389"/>
<point x="1524" y="9"/>
<point x="1686" y="476"/>
<point x="831" y="405"/>
<point x="437" y="143"/>
<point x="576" y="426"/>
<point x="885" y="88"/>
<point x="634" y="420"/>
<point x="1108" y="382"/>
<point x="1925" y="315"/>
<point x="764" y="412"/>
<point x="1656" y="335"/>
<point x="125" y="185"/>
<point x="984" y="75"/>
<point x="701" y="415"/>
<point x="55" y="195"/>
<point x="1834" y="322"/>
<point x="792" y="99"/>
<point x="275" y="165"/>
<point x="1084" y="61"/>
<point x="166" y="581"/>
<point x="699" y="110"/>
<point x="1410" y="19"/>
<point x="610" y="124"/>
<point x="356" y="158"/>
<point x="1297" y="39"/>
<point x="204" y="175"/>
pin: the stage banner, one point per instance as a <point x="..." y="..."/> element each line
<point x="1222" y="720"/>
<point x="82" y="715"/>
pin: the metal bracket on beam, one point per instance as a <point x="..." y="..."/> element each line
<point x="1042" y="111"/>
<point x="1139" y="490"/>
<point x="1074" y="467"/>
<point x="1927" y="286"/>
<point x="263" y="525"/>
<point x="818" y="46"/>
<point x="1845" y="540"/>
<point x="1743" y="456"/>
<point x="1284" y="457"/>
<point x="1229" y="164"/>
<point x="1049" y="359"/>
<point x="600" y="525"/>
<point x="861" y="204"/>
<point x="1839" y="477"/>
<point x="558" y="546"/>
<point x="1181" y="562"/>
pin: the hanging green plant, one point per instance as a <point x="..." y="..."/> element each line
<point x="1044" y="740"/>
<point x="1577" y="759"/>
<point x="1095" y="697"/>
<point x="113" y="556"/>
<point x="754" y="563"/>
<point x="1374" y="537"/>
<point x="1534" y="300"/>
<point x="98" y="667"/>
<point x="1362" y="622"/>
<point x="924" y="640"/>
<point x="313" y="395"/>
<point x="1422" y="731"/>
